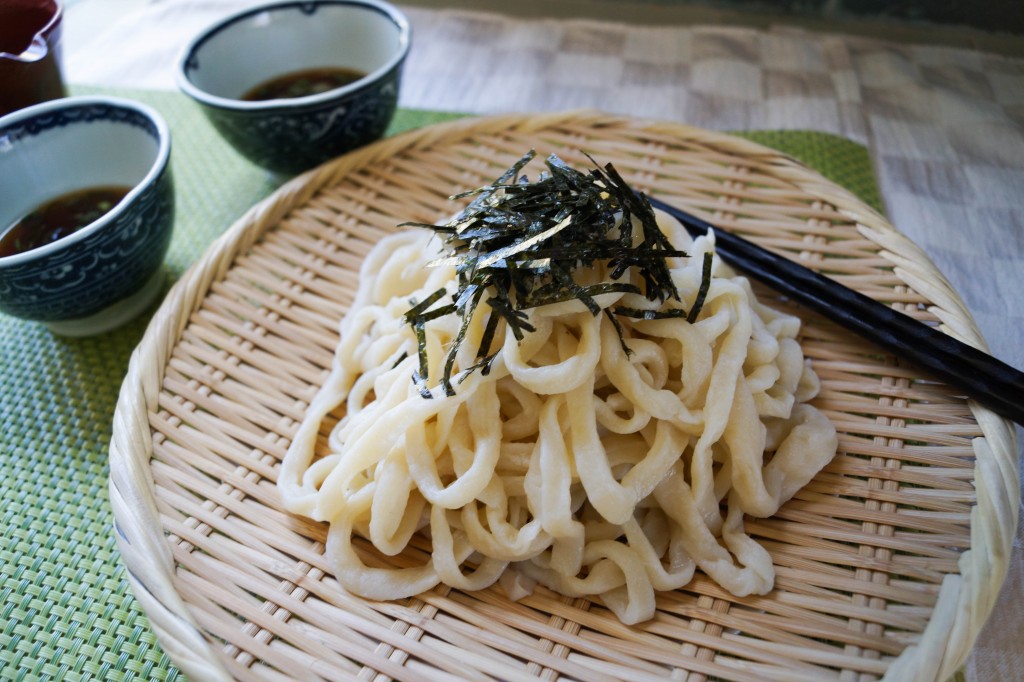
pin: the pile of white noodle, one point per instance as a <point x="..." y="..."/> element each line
<point x="570" y="463"/>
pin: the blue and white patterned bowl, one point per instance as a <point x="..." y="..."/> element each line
<point x="262" y="42"/>
<point x="107" y="272"/>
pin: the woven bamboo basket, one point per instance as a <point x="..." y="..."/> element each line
<point x="888" y="562"/>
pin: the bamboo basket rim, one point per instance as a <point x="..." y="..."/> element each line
<point x="964" y="600"/>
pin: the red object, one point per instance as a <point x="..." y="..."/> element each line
<point x="30" y="53"/>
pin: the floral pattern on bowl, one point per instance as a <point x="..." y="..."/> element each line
<point x="289" y="135"/>
<point x="292" y="140"/>
<point x="113" y="259"/>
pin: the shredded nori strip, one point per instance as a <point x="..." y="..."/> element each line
<point x="518" y="243"/>
<point x="618" y="330"/>
<point x="702" y="293"/>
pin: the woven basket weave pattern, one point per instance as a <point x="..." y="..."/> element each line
<point x="871" y="570"/>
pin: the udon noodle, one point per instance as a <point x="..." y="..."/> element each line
<point x="570" y="463"/>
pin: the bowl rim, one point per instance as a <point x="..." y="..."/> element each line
<point x="155" y="169"/>
<point x="187" y="53"/>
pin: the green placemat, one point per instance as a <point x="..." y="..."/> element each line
<point x="65" y="608"/>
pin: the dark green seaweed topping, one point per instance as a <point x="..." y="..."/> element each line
<point x="705" y="284"/>
<point x="518" y="243"/>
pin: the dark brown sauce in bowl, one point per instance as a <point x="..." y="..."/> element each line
<point x="58" y="218"/>
<point x="302" y="83"/>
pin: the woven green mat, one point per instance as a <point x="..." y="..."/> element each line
<point x="65" y="608"/>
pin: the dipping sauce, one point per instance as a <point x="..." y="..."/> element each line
<point x="303" y="83"/>
<point x="59" y="217"/>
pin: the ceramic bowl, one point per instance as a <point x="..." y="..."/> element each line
<point x="106" y="273"/>
<point x="289" y="135"/>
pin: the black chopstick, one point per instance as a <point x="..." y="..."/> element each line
<point x="981" y="376"/>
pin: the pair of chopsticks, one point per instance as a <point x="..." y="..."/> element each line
<point x="982" y="377"/>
